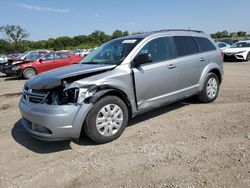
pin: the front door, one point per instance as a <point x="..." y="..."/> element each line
<point x="157" y="81"/>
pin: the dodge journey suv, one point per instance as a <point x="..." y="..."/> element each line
<point x="122" y="78"/>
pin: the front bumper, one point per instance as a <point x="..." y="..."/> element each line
<point x="235" y="56"/>
<point x="53" y="122"/>
<point x="7" y="70"/>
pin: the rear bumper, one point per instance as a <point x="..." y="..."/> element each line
<point x="53" y="122"/>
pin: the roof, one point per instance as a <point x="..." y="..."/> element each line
<point x="169" y="31"/>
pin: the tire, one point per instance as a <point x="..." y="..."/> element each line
<point x="210" y="88"/>
<point x="101" y="126"/>
<point x="29" y="73"/>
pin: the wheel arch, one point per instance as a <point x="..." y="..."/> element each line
<point x="102" y="93"/>
<point x="115" y="92"/>
<point x="214" y="68"/>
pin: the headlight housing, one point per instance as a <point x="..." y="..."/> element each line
<point x="69" y="96"/>
<point x="64" y="97"/>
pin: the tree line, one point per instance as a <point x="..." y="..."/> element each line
<point x="226" y="34"/>
<point x="16" y="40"/>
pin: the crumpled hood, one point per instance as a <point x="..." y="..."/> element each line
<point x="51" y="79"/>
<point x="20" y="62"/>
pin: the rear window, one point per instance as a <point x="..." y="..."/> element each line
<point x="204" y="44"/>
<point x="185" y="45"/>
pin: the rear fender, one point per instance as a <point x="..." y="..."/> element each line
<point x="207" y="69"/>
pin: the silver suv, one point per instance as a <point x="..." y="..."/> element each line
<point x="122" y="78"/>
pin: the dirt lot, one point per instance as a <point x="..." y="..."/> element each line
<point x="186" y="144"/>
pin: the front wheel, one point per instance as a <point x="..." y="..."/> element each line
<point x="107" y="120"/>
<point x="29" y="73"/>
<point x="210" y="88"/>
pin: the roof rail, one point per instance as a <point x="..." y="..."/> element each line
<point x="163" y="30"/>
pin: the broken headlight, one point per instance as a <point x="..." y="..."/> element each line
<point x="85" y="93"/>
<point x="69" y="96"/>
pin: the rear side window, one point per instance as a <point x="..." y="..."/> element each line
<point x="204" y="44"/>
<point x="160" y="49"/>
<point x="62" y="56"/>
<point x="185" y="45"/>
<point x="49" y="57"/>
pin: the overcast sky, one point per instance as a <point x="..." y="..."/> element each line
<point x="53" y="18"/>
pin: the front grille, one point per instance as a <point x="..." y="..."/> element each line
<point x="34" y="96"/>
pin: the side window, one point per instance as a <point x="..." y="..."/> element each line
<point x="185" y="45"/>
<point x="204" y="44"/>
<point x="160" y="49"/>
<point x="49" y="57"/>
<point x="62" y="56"/>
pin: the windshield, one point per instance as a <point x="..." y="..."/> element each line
<point x="34" y="56"/>
<point x="112" y="52"/>
<point x="22" y="55"/>
<point x="241" y="45"/>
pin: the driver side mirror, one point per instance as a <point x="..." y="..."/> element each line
<point x="40" y="60"/>
<point x="142" y="59"/>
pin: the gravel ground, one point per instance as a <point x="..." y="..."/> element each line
<point x="186" y="144"/>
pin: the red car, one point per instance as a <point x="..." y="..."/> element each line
<point x="41" y="63"/>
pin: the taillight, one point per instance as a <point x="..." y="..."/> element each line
<point x="222" y="55"/>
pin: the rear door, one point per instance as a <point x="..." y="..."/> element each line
<point x="155" y="82"/>
<point x="63" y="59"/>
<point x="191" y="63"/>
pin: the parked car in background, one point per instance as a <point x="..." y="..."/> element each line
<point x="41" y="63"/>
<point x="27" y="55"/>
<point x="77" y="52"/>
<point x="227" y="40"/>
<point x="238" y="51"/>
<point x="83" y="52"/>
<point x="14" y="60"/>
<point x="122" y="78"/>
<point x="223" y="45"/>
<point x="3" y="58"/>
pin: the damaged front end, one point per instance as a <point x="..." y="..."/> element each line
<point x="66" y="94"/>
<point x="55" y="104"/>
<point x="57" y="113"/>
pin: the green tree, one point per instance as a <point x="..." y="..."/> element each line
<point x="117" y="34"/>
<point x="15" y="34"/>
<point x="224" y="34"/>
<point x="233" y="34"/>
<point x="5" y="47"/>
<point x="125" y="33"/>
<point x="241" y="33"/>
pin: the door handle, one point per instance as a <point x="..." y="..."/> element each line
<point x="171" y="66"/>
<point x="202" y="59"/>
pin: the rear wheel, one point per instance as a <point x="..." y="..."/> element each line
<point x="107" y="120"/>
<point x="210" y="88"/>
<point x="29" y="73"/>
